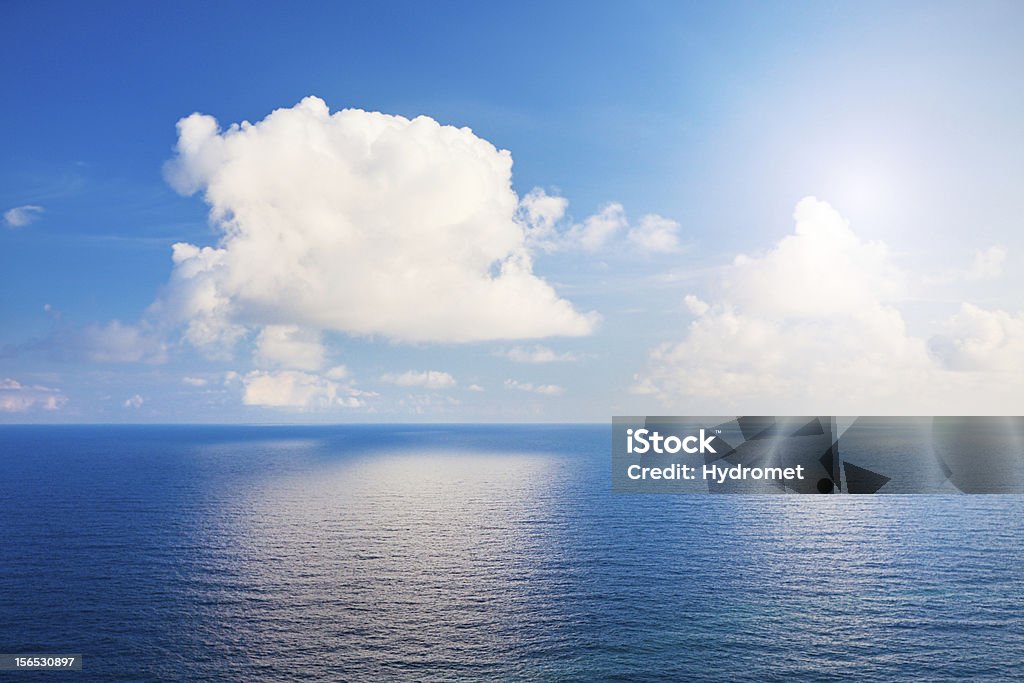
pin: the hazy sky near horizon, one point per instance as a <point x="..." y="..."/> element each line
<point x="259" y="212"/>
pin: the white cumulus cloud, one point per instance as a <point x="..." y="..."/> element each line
<point x="543" y="215"/>
<point x="656" y="234"/>
<point x="695" y="305"/>
<point x="597" y="230"/>
<point x="358" y="222"/>
<point x="296" y="389"/>
<point x="135" y="401"/>
<point x="813" y="327"/>
<point x="20" y="216"/>
<point x="428" y="379"/>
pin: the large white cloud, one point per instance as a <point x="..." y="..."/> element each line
<point x="813" y="326"/>
<point x="358" y="222"/>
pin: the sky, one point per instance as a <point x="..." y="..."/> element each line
<point x="454" y="211"/>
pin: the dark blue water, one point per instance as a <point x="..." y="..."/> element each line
<point x="477" y="553"/>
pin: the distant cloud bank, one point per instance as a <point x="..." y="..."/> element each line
<point x="16" y="397"/>
<point x="813" y="326"/>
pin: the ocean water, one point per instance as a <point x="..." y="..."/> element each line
<point x="374" y="553"/>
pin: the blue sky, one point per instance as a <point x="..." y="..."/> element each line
<point x="674" y="138"/>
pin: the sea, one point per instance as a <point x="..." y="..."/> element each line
<point x="477" y="553"/>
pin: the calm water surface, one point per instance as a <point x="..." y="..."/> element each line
<point x="477" y="553"/>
